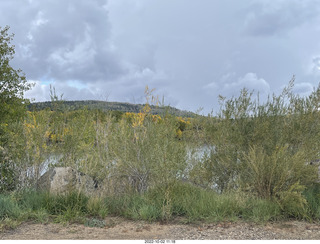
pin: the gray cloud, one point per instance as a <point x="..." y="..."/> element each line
<point x="67" y="41"/>
<point x="232" y="84"/>
<point x="303" y="89"/>
<point x="190" y="51"/>
<point x="316" y="65"/>
<point x="277" y="17"/>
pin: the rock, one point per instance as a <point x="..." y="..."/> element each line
<point x="65" y="179"/>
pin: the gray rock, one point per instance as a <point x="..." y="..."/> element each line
<point x="65" y="179"/>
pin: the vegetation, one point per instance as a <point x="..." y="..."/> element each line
<point x="250" y="161"/>
<point x="13" y="84"/>
<point x="117" y="108"/>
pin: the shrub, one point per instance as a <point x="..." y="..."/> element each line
<point x="146" y="153"/>
<point x="263" y="148"/>
<point x="271" y="175"/>
<point x="292" y="202"/>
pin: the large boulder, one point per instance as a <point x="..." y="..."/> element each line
<point x="65" y="179"/>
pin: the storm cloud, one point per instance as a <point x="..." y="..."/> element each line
<point x="67" y="41"/>
<point x="190" y="51"/>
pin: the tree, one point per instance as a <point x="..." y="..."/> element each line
<point x="13" y="84"/>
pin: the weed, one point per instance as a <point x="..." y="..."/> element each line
<point x="93" y="222"/>
<point x="8" y="223"/>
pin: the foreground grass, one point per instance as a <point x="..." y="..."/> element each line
<point x="158" y="204"/>
<point x="193" y="204"/>
<point x="43" y="207"/>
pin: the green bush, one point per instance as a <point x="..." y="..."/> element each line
<point x="292" y="202"/>
<point x="261" y="147"/>
<point x="146" y="153"/>
<point x="271" y="175"/>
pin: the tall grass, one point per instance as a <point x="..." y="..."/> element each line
<point x="312" y="196"/>
<point x="43" y="207"/>
<point x="8" y="208"/>
<point x="162" y="203"/>
<point x="193" y="204"/>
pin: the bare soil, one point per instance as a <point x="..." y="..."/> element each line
<point x="123" y="229"/>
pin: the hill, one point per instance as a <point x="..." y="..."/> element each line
<point x="107" y="106"/>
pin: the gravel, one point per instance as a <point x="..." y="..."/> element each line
<point x="122" y="229"/>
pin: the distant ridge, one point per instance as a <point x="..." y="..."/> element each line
<point x="107" y="106"/>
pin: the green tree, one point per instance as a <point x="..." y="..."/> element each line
<point x="13" y="84"/>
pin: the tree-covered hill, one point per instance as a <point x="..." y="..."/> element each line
<point x="107" y="106"/>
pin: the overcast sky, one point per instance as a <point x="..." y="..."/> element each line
<point x="189" y="50"/>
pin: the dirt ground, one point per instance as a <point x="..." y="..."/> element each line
<point x="123" y="229"/>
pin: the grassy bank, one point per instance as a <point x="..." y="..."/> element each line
<point x="166" y="203"/>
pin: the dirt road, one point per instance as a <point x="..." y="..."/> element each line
<point x="122" y="229"/>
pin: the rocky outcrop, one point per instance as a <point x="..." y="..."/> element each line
<point x="65" y="179"/>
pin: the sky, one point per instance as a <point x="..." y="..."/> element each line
<point x="189" y="51"/>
